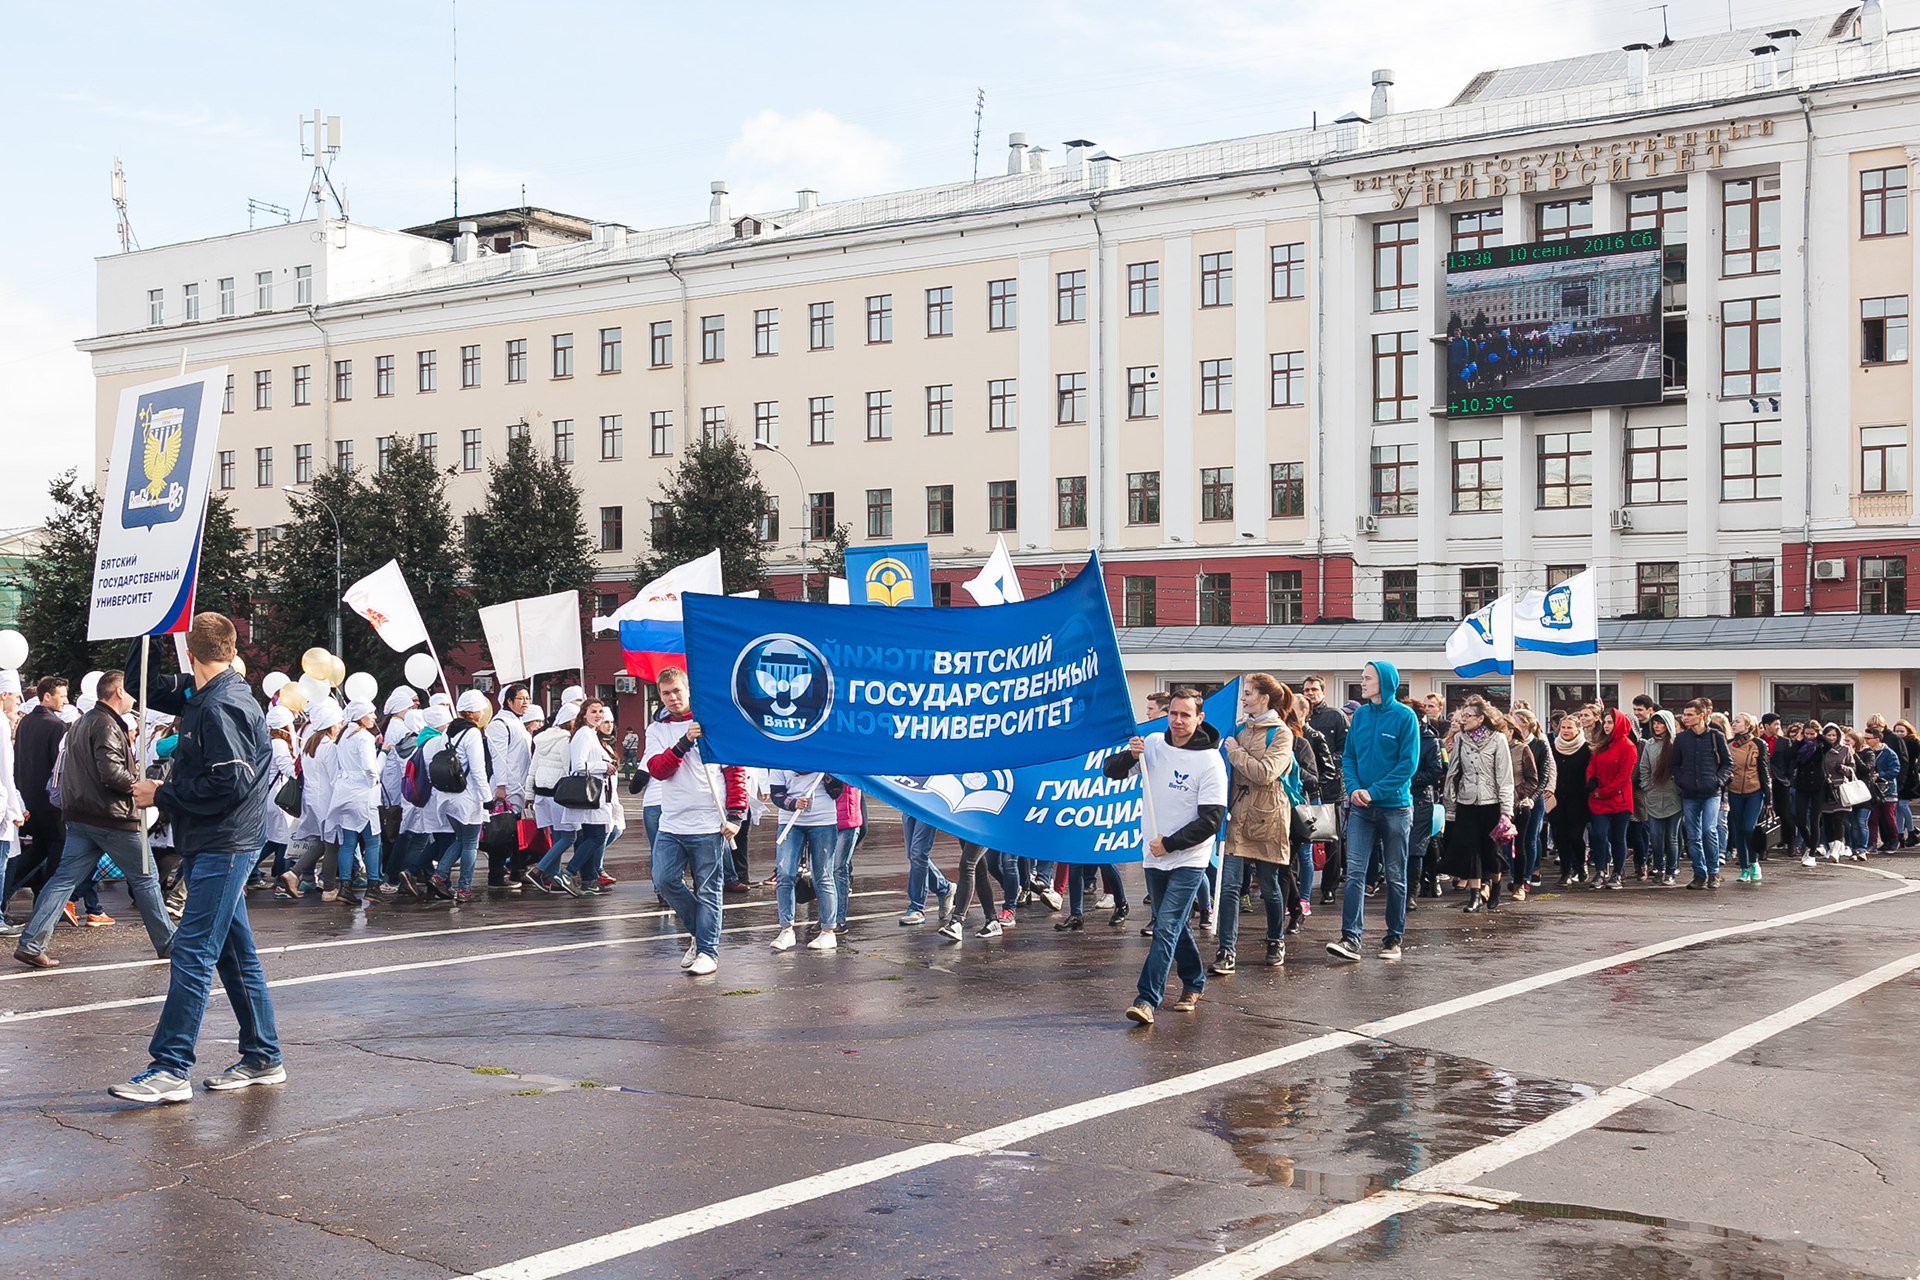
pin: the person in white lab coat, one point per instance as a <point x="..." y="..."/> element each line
<point x="355" y="811"/>
<point x="464" y="811"/>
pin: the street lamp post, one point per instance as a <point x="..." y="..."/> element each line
<point x="338" y="586"/>
<point x="773" y="449"/>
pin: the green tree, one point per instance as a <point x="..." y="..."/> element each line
<point x="226" y="576"/>
<point x="829" y="561"/>
<point x="713" y="499"/>
<point x="528" y="538"/>
<point x="58" y="587"/>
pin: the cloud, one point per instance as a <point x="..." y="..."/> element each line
<point x="776" y="155"/>
<point x="46" y="401"/>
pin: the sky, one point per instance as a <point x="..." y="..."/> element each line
<point x="625" y="113"/>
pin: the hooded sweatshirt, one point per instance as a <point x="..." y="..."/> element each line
<point x="1383" y="745"/>
<point x="1610" y="770"/>
<point x="1189" y="784"/>
<point x="1662" y="799"/>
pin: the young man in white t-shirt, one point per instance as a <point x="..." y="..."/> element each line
<point x="1186" y="785"/>
<point x="701" y="808"/>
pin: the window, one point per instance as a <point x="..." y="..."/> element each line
<point x="1883" y="584"/>
<point x="658" y="514"/>
<point x="1072" y="494"/>
<point x="226" y="296"/>
<point x="226" y="468"/>
<point x="1750" y="347"/>
<point x="820" y="516"/>
<point x="879" y="415"/>
<point x="1396" y="479"/>
<point x="939" y="508"/>
<point x="820" y="326"/>
<point x="1479" y="587"/>
<point x="766" y="423"/>
<point x="382" y="454"/>
<point x="427" y="366"/>
<point x="1559" y="573"/>
<point x="383" y="376"/>
<point x="1070" y="296"/>
<point x="1656" y="460"/>
<point x="1883" y="459"/>
<point x="1566" y="469"/>
<point x="1883" y="330"/>
<point x="343" y="379"/>
<point x="612" y="438"/>
<point x="940" y="410"/>
<point x="1286" y="598"/>
<point x="713" y="339"/>
<point x="1564" y="219"/>
<point x="1883" y="202"/>
<point x="1288" y="379"/>
<point x="660" y="433"/>
<point x="1476" y="475"/>
<point x="343" y="456"/>
<point x="769" y="528"/>
<point x="1657" y="589"/>
<point x="226" y="396"/>
<point x="609" y="351"/>
<point x="1003" y="514"/>
<point x="563" y="439"/>
<point x="302" y="384"/>
<point x="1400" y="595"/>
<point x="1216" y="600"/>
<point x="879" y="513"/>
<point x="264" y="537"/>
<point x="1143" y="288"/>
<point x="1069" y="399"/>
<point x="1666" y="212"/>
<point x="1216" y="386"/>
<point x="1822" y="702"/>
<point x="156" y="306"/>
<point x="660" y="344"/>
<point x="428" y="442"/>
<point x="880" y="318"/>
<point x="1216" y="279"/>
<point x="1002" y="403"/>
<point x="1143" y="392"/>
<point x="263" y="388"/>
<point x="820" y="420"/>
<point x="612" y="528"/>
<point x="1750" y="226"/>
<point x="940" y="312"/>
<point x="1749" y="460"/>
<point x="1140" y="601"/>
<point x="713" y="423"/>
<point x="1396" y="376"/>
<point x="942" y="594"/>
<point x="1289" y="481"/>
<point x="1143" y="497"/>
<point x="766" y="332"/>
<point x="563" y="355"/>
<point x="1216" y="493"/>
<point x="520" y="430"/>
<point x="303" y="286"/>
<point x="1478" y="230"/>
<point x="470" y="446"/>
<point x="1396" y="265"/>
<point x="263" y="291"/>
<point x="516" y="360"/>
<point x="1752" y="588"/>
<point x="303" y="464"/>
<point x="1289" y="271"/>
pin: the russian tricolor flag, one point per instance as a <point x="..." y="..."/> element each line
<point x="651" y="635"/>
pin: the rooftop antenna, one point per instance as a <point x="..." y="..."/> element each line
<point x="255" y="207"/>
<point x="979" y="108"/>
<point x="128" y="241"/>
<point x="456" y="108"/>
<point x="1665" y="39"/>
<point x="320" y="141"/>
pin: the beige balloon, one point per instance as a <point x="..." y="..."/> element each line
<point x="292" y="698"/>
<point x="336" y="674"/>
<point x="316" y="662"/>
<point x="240" y="665"/>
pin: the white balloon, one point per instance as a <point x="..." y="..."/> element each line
<point x="274" y="682"/>
<point x="13" y="650"/>
<point x="422" y="671"/>
<point x="90" y="684"/>
<point x="361" y="687"/>
<point x="314" y="689"/>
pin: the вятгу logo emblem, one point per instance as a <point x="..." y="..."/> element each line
<point x="783" y="685"/>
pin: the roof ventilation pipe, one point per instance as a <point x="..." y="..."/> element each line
<point x="1637" y="55"/>
<point x="1106" y="170"/>
<point x="1763" y="66"/>
<point x="1382" y="94"/>
<point x="719" y="209"/>
<point x="1036" y="159"/>
<point x="809" y="199"/>
<point x="523" y="257"/>
<point x="1785" y="42"/>
<point x="1349" y="132"/>
<point x="466" y="245"/>
<point x="1016" y="153"/>
<point x="1077" y="150"/>
<point x="1873" y="23"/>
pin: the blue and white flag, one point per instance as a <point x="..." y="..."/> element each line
<point x="1562" y="619"/>
<point x="1067" y="811"/>
<point x="785" y="685"/>
<point x="895" y="577"/>
<point x="1483" y="643"/>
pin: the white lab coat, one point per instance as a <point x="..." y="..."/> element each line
<point x="469" y="807"/>
<point x="356" y="782"/>
<point x="316" y="796"/>
<point x="587" y="756"/>
<point x="279" y="821"/>
<point x="512" y="748"/>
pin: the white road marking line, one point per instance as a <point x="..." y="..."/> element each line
<point x="590" y="1252"/>
<point x="1444" y="1180"/>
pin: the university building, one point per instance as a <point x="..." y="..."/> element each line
<point x="1224" y="366"/>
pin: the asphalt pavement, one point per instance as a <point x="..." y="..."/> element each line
<point x="529" y="1086"/>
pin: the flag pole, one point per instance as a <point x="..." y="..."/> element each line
<point x="140" y="737"/>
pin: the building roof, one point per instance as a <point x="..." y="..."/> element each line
<point x="536" y="226"/>
<point x="1796" y="631"/>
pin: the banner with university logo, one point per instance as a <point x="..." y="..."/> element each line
<point x="1564" y="618"/>
<point x="1483" y="642"/>
<point x="896" y="576"/>
<point x="154" y="506"/>
<point x="810" y="686"/>
<point x="1066" y="811"/>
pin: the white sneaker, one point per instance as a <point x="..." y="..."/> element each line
<point x="692" y="954"/>
<point x="783" y="941"/>
<point x="1104" y="903"/>
<point x="825" y="942"/>
<point x="1051" y="898"/>
<point x="1836" y="851"/>
<point x="952" y="931"/>
<point x="1808" y="860"/>
<point x="702" y="966"/>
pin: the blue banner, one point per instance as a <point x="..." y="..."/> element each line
<point x="1067" y="811"/>
<point x="851" y="690"/>
<point x="896" y="577"/>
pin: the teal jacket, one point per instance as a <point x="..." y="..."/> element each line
<point x="1383" y="745"/>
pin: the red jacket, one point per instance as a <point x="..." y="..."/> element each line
<point x="1610" y="771"/>
<point x="665" y="764"/>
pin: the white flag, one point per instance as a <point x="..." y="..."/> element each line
<point x="837" y="592"/>
<point x="1483" y="643"/>
<point x="526" y="637"/>
<point x="996" y="583"/>
<point x="384" y="600"/>
<point x="1562" y="619"/>
<point x="659" y="600"/>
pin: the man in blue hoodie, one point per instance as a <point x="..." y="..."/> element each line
<point x="1382" y="752"/>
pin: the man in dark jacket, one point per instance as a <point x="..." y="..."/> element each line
<point x="1701" y="766"/>
<point x="1331" y="723"/>
<point x="36" y="745"/>
<point x="217" y="801"/>
<point x="96" y="805"/>
<point x="1427" y="776"/>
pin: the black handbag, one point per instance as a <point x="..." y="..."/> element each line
<point x="1316" y="824"/>
<point x="289" y="795"/>
<point x="804" y="890"/>
<point x="1766" y="832"/>
<point x="580" y="791"/>
<point x="502" y="835"/>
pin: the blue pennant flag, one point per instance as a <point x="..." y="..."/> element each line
<point x="895" y="577"/>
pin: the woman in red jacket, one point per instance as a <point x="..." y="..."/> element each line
<point x="1610" y="793"/>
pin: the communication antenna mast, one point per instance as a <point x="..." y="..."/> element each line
<point x="320" y="142"/>
<point x="1665" y="38"/>
<point x="979" y="108"/>
<point x="456" y="108"/>
<point x="128" y="241"/>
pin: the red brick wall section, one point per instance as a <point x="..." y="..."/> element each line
<point x="1844" y="596"/>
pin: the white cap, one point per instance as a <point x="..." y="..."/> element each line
<point x="414" y="721"/>
<point x="86" y="703"/>
<point x="473" y="700"/>
<point x="90" y="684"/>
<point x="534" y="714"/>
<point x="9" y="682"/>
<point x="566" y="713"/>
<point x="322" y="714"/>
<point x="400" y="699"/>
<point x="574" y="693"/>
<point x="440" y="700"/>
<point x="438" y="717"/>
<point x="69" y="713"/>
<point x="357" y="710"/>
<point x="279" y="717"/>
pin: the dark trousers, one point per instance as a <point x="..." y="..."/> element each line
<point x="32" y="869"/>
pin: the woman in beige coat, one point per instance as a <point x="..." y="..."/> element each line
<point x="1260" y="816"/>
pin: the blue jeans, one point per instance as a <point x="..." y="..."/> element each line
<point x="699" y="910"/>
<point x="1173" y="893"/>
<point x="1232" y="868"/>
<point x="843" y="842"/>
<point x="85" y="844"/>
<point x="561" y="840"/>
<point x="817" y="844"/>
<point x="1743" y="810"/>
<point x="1009" y="870"/>
<point x="1903" y="815"/>
<point x="1702" y="820"/>
<point x="366" y="839"/>
<point x="1079" y="877"/>
<point x="463" y="840"/>
<point x="1303" y="862"/>
<point x="1857" y="837"/>
<point x="1533" y="826"/>
<point x="1663" y="844"/>
<point x="213" y="936"/>
<point x="1389" y="825"/>
<point x="650" y="818"/>
<point x="589" y="847"/>
<point x="922" y="874"/>
<point x="1608" y="835"/>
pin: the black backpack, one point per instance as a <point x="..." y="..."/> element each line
<point x="447" y="771"/>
